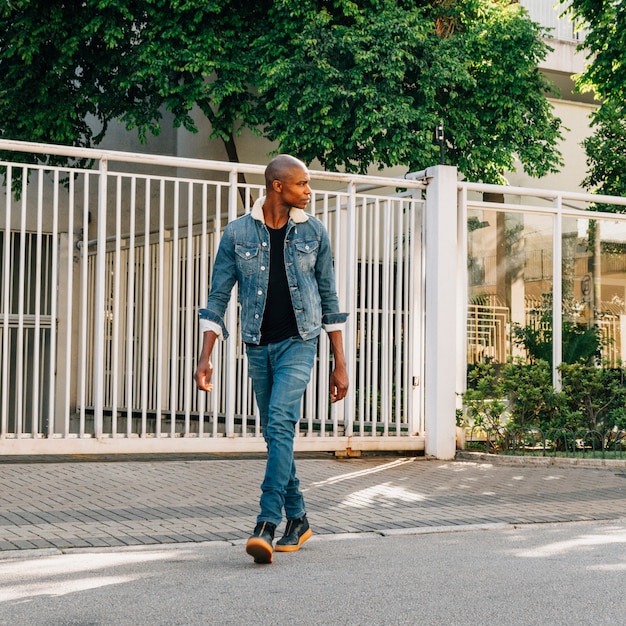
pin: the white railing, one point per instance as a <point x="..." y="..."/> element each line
<point x="103" y="271"/>
<point x="582" y="253"/>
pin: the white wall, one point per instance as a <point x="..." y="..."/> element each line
<point x="575" y="118"/>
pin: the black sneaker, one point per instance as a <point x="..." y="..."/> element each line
<point x="259" y="545"/>
<point x="296" y="533"/>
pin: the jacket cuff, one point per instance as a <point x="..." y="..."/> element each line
<point x="332" y="319"/>
<point x="329" y="328"/>
<point x="216" y="323"/>
<point x="205" y="325"/>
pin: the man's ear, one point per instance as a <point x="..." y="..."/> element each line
<point x="277" y="186"/>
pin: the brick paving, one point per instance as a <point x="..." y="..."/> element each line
<point x="76" y="503"/>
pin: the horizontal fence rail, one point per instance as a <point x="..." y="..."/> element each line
<point x="104" y="269"/>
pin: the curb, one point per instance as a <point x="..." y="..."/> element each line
<point x="13" y="555"/>
<point x="542" y="461"/>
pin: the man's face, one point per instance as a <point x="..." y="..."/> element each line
<point x="295" y="190"/>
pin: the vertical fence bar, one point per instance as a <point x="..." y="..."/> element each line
<point x="462" y="288"/>
<point x="400" y="380"/>
<point x="308" y="404"/>
<point x="173" y="348"/>
<point x="189" y="310"/>
<point x="368" y="285"/>
<point x="84" y="307"/>
<point x="69" y="370"/>
<point x="361" y="337"/>
<point x="35" y="391"/>
<point x="6" y="275"/>
<point x="323" y="347"/>
<point x="117" y="274"/>
<point x="145" y="300"/>
<point x="557" y="293"/>
<point x="54" y="282"/>
<point x="340" y="278"/>
<point x="99" y="309"/>
<point x="215" y="395"/>
<point x="204" y="282"/>
<point x="231" y="352"/>
<point x="160" y="298"/>
<point x="349" y="334"/>
<point x="385" y="343"/>
<point x="408" y="314"/>
<point x="416" y="316"/>
<point x="376" y="351"/>
<point x="19" y="370"/>
<point x="130" y="309"/>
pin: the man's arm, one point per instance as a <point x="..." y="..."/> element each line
<point x="204" y="368"/>
<point x="339" y="375"/>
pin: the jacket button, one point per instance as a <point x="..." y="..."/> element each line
<point x="259" y="292"/>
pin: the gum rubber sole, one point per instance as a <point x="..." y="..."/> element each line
<point x="260" y="550"/>
<point x="305" y="536"/>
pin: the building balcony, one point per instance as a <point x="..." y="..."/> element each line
<point x="565" y="59"/>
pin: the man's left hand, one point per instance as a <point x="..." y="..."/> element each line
<point x="338" y="384"/>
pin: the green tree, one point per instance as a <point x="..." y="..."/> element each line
<point x="606" y="153"/>
<point x="351" y="84"/>
<point x="605" y="44"/>
<point x="605" y="75"/>
<point x="67" y="69"/>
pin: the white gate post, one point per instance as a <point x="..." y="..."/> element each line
<point x="440" y="325"/>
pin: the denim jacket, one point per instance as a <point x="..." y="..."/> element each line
<point x="243" y="257"/>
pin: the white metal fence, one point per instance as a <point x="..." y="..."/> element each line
<point x="554" y="259"/>
<point x="104" y="268"/>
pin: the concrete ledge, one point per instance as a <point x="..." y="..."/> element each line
<point x="543" y="461"/>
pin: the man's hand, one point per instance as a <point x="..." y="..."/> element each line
<point x="204" y="369"/>
<point x="203" y="375"/>
<point x="339" y="375"/>
<point x="338" y="384"/>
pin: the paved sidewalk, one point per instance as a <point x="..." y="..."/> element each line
<point x="75" y="503"/>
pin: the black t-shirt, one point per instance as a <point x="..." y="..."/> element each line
<point x="279" y="320"/>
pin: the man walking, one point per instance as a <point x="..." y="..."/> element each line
<point x="281" y="259"/>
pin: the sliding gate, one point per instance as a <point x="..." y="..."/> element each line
<point x="104" y="269"/>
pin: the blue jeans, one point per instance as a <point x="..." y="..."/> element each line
<point x="280" y="373"/>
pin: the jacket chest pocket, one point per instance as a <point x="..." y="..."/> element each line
<point x="247" y="257"/>
<point x="306" y="254"/>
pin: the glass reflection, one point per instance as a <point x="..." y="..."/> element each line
<point x="510" y="282"/>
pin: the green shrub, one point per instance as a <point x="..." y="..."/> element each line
<point x="596" y="395"/>
<point x="580" y="342"/>
<point x="483" y="399"/>
<point x="533" y="401"/>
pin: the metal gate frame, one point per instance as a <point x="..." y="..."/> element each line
<point x="105" y="272"/>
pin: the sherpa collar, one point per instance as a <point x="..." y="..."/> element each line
<point x="297" y="215"/>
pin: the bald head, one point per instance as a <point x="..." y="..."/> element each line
<point x="282" y="167"/>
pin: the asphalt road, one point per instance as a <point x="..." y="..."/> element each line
<point x="571" y="574"/>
